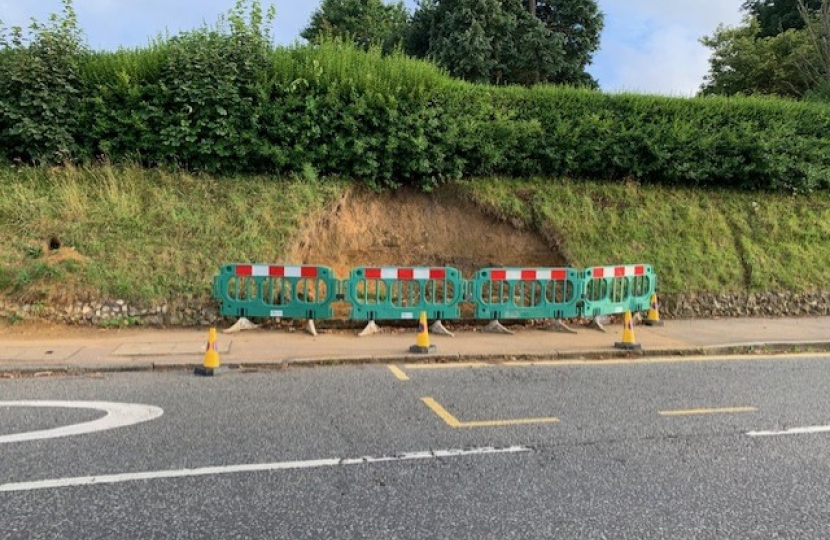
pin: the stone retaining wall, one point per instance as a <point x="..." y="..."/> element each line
<point x="203" y="311"/>
<point x="786" y="304"/>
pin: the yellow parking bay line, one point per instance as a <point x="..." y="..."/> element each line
<point x="398" y="372"/>
<point x="724" y="410"/>
<point x="453" y="422"/>
<point x="448" y="365"/>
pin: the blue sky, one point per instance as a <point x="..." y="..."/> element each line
<point x="649" y="46"/>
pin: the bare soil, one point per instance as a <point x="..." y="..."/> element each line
<point x="410" y="228"/>
<point x="400" y="228"/>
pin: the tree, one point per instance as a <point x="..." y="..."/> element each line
<point x="581" y="22"/>
<point x="817" y="25"/>
<point x="365" y="22"/>
<point x="508" y="41"/>
<point x="777" y="16"/>
<point x="742" y="63"/>
<point x="755" y="59"/>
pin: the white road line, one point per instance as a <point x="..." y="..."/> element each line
<point x="118" y="415"/>
<point x="256" y="467"/>
<point x="793" y="431"/>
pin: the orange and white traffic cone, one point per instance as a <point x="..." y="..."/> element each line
<point x="628" y="342"/>
<point x="653" y="318"/>
<point x="422" y="345"/>
<point x="211" y="362"/>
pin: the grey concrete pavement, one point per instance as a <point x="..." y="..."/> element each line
<point x="145" y="349"/>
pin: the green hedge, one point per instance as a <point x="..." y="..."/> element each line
<point x="223" y="100"/>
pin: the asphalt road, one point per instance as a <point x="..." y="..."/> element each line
<point x="641" y="451"/>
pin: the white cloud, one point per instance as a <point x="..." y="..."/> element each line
<point x="671" y="62"/>
<point x="693" y="13"/>
<point x="652" y="46"/>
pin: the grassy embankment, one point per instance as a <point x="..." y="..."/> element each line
<point x="144" y="235"/>
<point x="140" y="235"/>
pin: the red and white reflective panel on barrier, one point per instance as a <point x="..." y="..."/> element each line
<point x="406" y="273"/>
<point x="532" y="274"/>
<point x="267" y="270"/>
<point x="618" y="271"/>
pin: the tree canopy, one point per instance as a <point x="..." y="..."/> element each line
<point x="783" y="49"/>
<point x="365" y="22"/>
<point x="508" y="41"/>
<point x="777" y="16"/>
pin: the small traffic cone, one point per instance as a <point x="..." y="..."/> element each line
<point x="653" y="318"/>
<point x="628" y="342"/>
<point x="422" y="345"/>
<point x="211" y="363"/>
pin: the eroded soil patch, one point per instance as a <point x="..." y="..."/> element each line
<point x="410" y="228"/>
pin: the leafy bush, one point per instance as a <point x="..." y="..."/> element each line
<point x="40" y="90"/>
<point x="222" y="99"/>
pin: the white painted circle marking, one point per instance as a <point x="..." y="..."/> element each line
<point x="118" y="415"/>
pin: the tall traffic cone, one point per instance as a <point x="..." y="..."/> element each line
<point x="653" y="318"/>
<point x="422" y="345"/>
<point x="211" y="363"/>
<point x="628" y="342"/>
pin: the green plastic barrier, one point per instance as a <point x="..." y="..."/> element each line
<point x="531" y="293"/>
<point x="394" y="293"/>
<point x="611" y="290"/>
<point x="264" y="290"/>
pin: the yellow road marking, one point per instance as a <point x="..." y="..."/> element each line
<point x="398" y="372"/>
<point x="725" y="410"/>
<point x="455" y="365"/>
<point x="616" y="361"/>
<point x="442" y="413"/>
<point x="453" y="422"/>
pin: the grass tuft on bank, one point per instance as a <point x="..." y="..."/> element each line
<point x="139" y="234"/>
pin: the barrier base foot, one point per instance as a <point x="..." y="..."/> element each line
<point x="370" y="329"/>
<point x="558" y="326"/>
<point x="652" y="323"/>
<point x="495" y="327"/>
<point x="596" y="324"/>
<point x="240" y="325"/>
<point x="422" y="350"/>
<point x="208" y="372"/>
<point x="628" y="346"/>
<point x="310" y="328"/>
<point x="438" y="328"/>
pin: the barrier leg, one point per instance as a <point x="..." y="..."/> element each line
<point x="556" y="325"/>
<point x="371" y="328"/>
<point x="495" y="327"/>
<point x="438" y="328"/>
<point x="240" y="325"/>
<point x="597" y="324"/>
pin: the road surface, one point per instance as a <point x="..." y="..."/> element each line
<point x="645" y="450"/>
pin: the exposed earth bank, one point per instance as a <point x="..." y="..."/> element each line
<point x="405" y="228"/>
